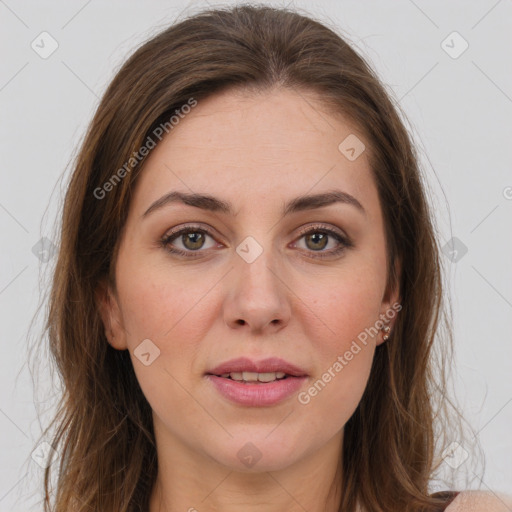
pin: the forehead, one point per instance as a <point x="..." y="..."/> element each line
<point x="245" y="146"/>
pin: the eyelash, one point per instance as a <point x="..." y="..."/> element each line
<point x="345" y="243"/>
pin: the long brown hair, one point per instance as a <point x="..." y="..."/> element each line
<point x="104" y="434"/>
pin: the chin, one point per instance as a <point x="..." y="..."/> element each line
<point x="256" y="453"/>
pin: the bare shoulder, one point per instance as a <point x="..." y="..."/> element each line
<point x="480" y="501"/>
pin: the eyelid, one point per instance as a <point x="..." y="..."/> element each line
<point x="344" y="242"/>
<point x="302" y="231"/>
<point x="322" y="227"/>
<point x="189" y="227"/>
<point x="165" y="240"/>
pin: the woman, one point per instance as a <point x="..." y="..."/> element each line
<point x="248" y="285"/>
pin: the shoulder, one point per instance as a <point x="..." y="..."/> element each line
<point x="480" y="501"/>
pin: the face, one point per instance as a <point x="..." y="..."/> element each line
<point x="250" y="272"/>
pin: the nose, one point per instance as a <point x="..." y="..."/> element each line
<point x="257" y="298"/>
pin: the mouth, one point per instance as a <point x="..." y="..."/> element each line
<point x="257" y="384"/>
<point x="254" y="377"/>
<point x="244" y="369"/>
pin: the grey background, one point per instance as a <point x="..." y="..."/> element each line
<point x="459" y="112"/>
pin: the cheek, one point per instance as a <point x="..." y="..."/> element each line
<point x="170" y="313"/>
<point x="342" y="308"/>
<point x="342" y="313"/>
<point x="174" y="309"/>
<point x="159" y="304"/>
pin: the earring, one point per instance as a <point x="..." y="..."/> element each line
<point x="386" y="329"/>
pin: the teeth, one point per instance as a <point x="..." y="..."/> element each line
<point x="254" y="377"/>
<point x="251" y="376"/>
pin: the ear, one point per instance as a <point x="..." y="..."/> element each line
<point x="110" y="312"/>
<point x="391" y="302"/>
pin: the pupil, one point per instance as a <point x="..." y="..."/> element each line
<point x="319" y="237"/>
<point x="193" y="237"/>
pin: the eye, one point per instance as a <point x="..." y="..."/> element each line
<point x="191" y="238"/>
<point x="317" y="237"/>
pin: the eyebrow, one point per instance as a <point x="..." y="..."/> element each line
<point x="213" y="204"/>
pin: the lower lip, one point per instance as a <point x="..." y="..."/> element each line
<point x="257" y="395"/>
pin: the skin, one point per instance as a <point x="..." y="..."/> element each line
<point x="257" y="151"/>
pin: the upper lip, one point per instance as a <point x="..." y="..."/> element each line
<point x="244" y="364"/>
